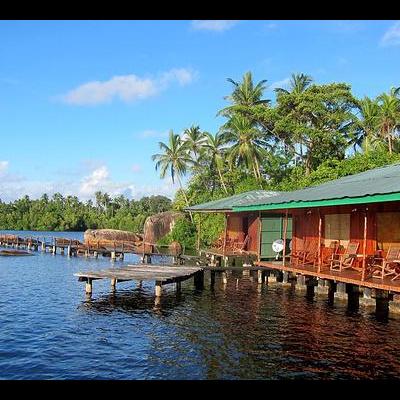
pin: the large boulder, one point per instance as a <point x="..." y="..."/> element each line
<point x="93" y="236"/>
<point x="159" y="225"/>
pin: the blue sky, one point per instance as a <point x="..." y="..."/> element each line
<point x="84" y="103"/>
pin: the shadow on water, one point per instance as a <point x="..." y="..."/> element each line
<point x="133" y="302"/>
<point x="235" y="330"/>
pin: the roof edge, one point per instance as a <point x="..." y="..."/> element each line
<point x="377" y="198"/>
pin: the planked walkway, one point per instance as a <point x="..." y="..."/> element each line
<point x="160" y="274"/>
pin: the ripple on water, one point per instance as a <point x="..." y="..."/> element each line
<point x="49" y="331"/>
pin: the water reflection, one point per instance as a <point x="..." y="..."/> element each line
<point x="239" y="329"/>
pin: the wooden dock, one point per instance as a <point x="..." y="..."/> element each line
<point x="74" y="247"/>
<point x="160" y="274"/>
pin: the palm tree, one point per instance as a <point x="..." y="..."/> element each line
<point x="175" y="158"/>
<point x="247" y="146"/>
<point x="366" y="124"/>
<point x="245" y="95"/>
<point x="195" y="140"/>
<point x="389" y="119"/>
<point x="298" y="84"/>
<point x="214" y="148"/>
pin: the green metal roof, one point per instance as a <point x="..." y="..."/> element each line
<point x="376" y="185"/>
<point x="227" y="203"/>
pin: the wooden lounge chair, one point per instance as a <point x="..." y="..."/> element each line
<point x="346" y="260"/>
<point x="239" y="247"/>
<point x="298" y="257"/>
<point x="329" y="254"/>
<point x="380" y="267"/>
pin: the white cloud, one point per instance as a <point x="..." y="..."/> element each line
<point x="3" y="167"/>
<point x="392" y="35"/>
<point x="182" y="75"/>
<point x="94" y="182"/>
<point x="214" y="25"/>
<point x="14" y="187"/>
<point x="100" y="179"/>
<point x="280" y="84"/>
<point x="126" y="88"/>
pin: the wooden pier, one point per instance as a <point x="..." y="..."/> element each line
<point x="93" y="249"/>
<point x="160" y="274"/>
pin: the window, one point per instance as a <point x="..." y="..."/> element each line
<point x="337" y="227"/>
<point x="388" y="229"/>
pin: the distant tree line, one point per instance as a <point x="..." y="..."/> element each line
<point x="60" y="213"/>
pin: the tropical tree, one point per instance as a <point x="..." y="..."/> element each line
<point x="366" y="125"/>
<point x="245" y="95"/>
<point x="174" y="159"/>
<point x="389" y="118"/>
<point x="195" y="140"/>
<point x="247" y="144"/>
<point x="215" y="152"/>
<point x="298" y="84"/>
<point x="318" y="119"/>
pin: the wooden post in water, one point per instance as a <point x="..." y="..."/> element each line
<point x="113" y="284"/>
<point x="224" y="278"/>
<point x="54" y="245"/>
<point x="89" y="286"/>
<point x="158" y="288"/>
<point x="364" y="244"/>
<point x="260" y="276"/>
<point x="212" y="279"/>
<point x="199" y="280"/>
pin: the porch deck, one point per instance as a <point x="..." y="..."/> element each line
<point x="351" y="276"/>
<point x="214" y="251"/>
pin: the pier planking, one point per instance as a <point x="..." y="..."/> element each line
<point x="160" y="274"/>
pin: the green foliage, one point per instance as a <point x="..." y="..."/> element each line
<point x="184" y="232"/>
<point x="69" y="214"/>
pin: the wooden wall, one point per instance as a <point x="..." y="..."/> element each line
<point x="383" y="225"/>
<point x="235" y="228"/>
<point x="253" y="233"/>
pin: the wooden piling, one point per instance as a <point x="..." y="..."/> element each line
<point x="341" y="293"/>
<point x="260" y="276"/>
<point x="199" y="280"/>
<point x="158" y="288"/>
<point x="89" y="286"/>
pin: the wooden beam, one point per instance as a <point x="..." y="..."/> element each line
<point x="225" y="230"/>
<point x="285" y="223"/>
<point x="259" y="237"/>
<point x="198" y="233"/>
<point x="364" y="244"/>
<point x="319" y="239"/>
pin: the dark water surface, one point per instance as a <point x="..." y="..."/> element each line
<point x="48" y="330"/>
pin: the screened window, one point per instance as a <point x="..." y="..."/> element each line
<point x="388" y="229"/>
<point x="337" y="228"/>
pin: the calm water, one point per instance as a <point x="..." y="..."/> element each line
<point x="50" y="331"/>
